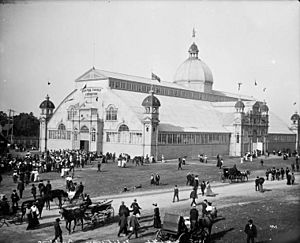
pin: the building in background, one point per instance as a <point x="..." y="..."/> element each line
<point x="114" y="112"/>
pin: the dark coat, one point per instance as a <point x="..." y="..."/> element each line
<point x="193" y="194"/>
<point x="194" y="214"/>
<point x="21" y="186"/>
<point x="251" y="232"/>
<point x="57" y="229"/>
<point x="123" y="221"/>
<point x="123" y="210"/>
<point x="134" y="223"/>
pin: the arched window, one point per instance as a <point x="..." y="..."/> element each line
<point x="111" y="113"/>
<point x="93" y="135"/>
<point x="123" y="128"/>
<point x="61" y="126"/>
<point x="75" y="134"/>
<point x="84" y="129"/>
<point x="124" y="135"/>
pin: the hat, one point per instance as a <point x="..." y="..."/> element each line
<point x="57" y="219"/>
<point x="250" y="221"/>
<point x="154" y="204"/>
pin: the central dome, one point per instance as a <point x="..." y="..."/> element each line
<point x="194" y="73"/>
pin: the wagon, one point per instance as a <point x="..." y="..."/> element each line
<point x="234" y="175"/>
<point x="99" y="212"/>
<point x="173" y="229"/>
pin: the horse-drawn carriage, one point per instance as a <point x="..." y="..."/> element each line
<point x="99" y="212"/>
<point x="234" y="175"/>
<point x="175" y="228"/>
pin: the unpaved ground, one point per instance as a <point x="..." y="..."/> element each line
<point x="227" y="195"/>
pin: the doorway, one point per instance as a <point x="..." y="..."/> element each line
<point x="84" y="145"/>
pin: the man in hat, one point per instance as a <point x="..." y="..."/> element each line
<point x="251" y="231"/>
<point x="135" y="208"/>
<point x="58" y="231"/>
<point x="194" y="214"/>
<point x="134" y="226"/>
<point x="176" y="193"/>
<point x="14" y="200"/>
<point x="21" y="188"/>
<point x="33" y="191"/>
<point x="156" y="217"/>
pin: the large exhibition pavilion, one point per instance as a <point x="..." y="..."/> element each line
<point x="121" y="113"/>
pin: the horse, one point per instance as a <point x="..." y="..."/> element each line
<point x="206" y="222"/>
<point x="40" y="202"/>
<point x="57" y="193"/>
<point x="73" y="215"/>
<point x="245" y="174"/>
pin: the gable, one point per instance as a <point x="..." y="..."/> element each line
<point x="92" y="74"/>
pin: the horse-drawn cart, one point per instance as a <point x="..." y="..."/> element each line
<point x="234" y="175"/>
<point x="99" y="212"/>
<point x="175" y="228"/>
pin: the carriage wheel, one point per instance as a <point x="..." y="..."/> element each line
<point x="161" y="235"/>
<point x="183" y="238"/>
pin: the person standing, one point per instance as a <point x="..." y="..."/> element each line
<point x="21" y="188"/>
<point x="14" y="199"/>
<point x="193" y="196"/>
<point x="42" y="188"/>
<point x="251" y="231"/>
<point x="293" y="178"/>
<point x="179" y="164"/>
<point x="257" y="184"/>
<point x="194" y="214"/>
<point x="176" y="193"/>
<point x="123" y="214"/>
<point x="157" y="179"/>
<point x="203" y="186"/>
<point x="34" y="212"/>
<point x="33" y="191"/>
<point x="135" y="208"/>
<point x="156" y="217"/>
<point x="58" y="231"/>
<point x="134" y="226"/>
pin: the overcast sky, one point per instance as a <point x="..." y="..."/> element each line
<point x="240" y="41"/>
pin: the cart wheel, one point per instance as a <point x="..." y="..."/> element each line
<point x="161" y="236"/>
<point x="183" y="238"/>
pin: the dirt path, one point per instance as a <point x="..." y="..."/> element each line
<point x="226" y="196"/>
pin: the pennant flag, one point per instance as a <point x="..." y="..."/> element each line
<point x="255" y="83"/>
<point x="153" y="77"/>
<point x="239" y="86"/>
<point x="264" y="89"/>
<point x="194" y="33"/>
<point x="49" y="83"/>
<point x="83" y="88"/>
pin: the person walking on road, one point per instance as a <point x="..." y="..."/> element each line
<point x="251" y="231"/>
<point x="203" y="186"/>
<point x="176" y="193"/>
<point x="193" y="196"/>
<point x="21" y="188"/>
<point x="134" y="226"/>
<point x="58" y="231"/>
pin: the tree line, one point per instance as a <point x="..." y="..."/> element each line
<point x="24" y="124"/>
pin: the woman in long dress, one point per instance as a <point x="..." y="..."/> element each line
<point x="209" y="192"/>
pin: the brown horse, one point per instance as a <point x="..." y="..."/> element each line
<point x="205" y="224"/>
<point x="73" y="215"/>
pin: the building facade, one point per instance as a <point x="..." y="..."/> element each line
<point x="114" y="112"/>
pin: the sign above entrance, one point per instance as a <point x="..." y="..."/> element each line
<point x="91" y="92"/>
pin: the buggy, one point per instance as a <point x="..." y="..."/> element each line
<point x="175" y="228"/>
<point x="99" y="212"/>
<point x="234" y="175"/>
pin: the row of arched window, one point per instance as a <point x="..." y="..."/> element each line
<point x="111" y="113"/>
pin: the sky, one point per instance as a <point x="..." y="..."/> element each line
<point x="58" y="41"/>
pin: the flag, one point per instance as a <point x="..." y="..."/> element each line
<point x="153" y="77"/>
<point x="255" y="83"/>
<point x="97" y="98"/>
<point x="194" y="33"/>
<point x="83" y="88"/>
<point x="49" y="83"/>
<point x="239" y="86"/>
<point x="295" y="103"/>
<point x="264" y="89"/>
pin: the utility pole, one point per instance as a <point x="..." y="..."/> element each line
<point x="10" y="111"/>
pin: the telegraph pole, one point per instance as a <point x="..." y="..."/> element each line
<point x="10" y="111"/>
